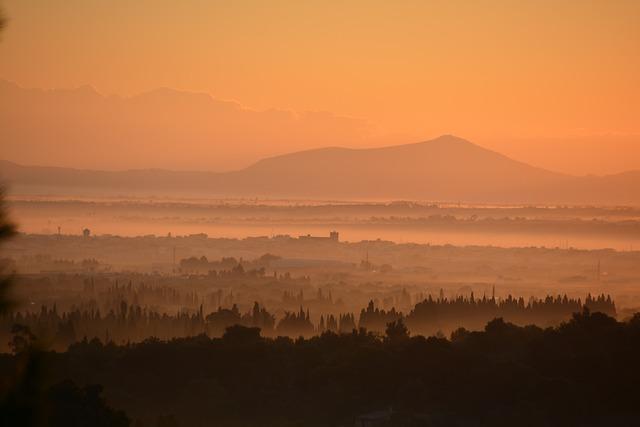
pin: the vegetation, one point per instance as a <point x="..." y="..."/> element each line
<point x="3" y="20"/>
<point x="583" y="372"/>
<point x="126" y="319"/>
<point x="7" y="230"/>
<point x="24" y="399"/>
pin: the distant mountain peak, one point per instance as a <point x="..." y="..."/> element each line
<point x="444" y="169"/>
<point x="447" y="137"/>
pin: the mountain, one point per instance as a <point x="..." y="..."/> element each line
<point x="162" y="128"/>
<point x="447" y="168"/>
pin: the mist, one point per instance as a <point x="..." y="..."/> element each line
<point x="319" y="214"/>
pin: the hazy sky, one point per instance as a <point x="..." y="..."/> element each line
<point x="555" y="83"/>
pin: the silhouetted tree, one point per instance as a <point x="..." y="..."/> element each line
<point x="582" y="372"/>
<point x="167" y="421"/>
<point x="3" y="20"/>
<point x="397" y="331"/>
<point x="238" y="334"/>
<point x="23" y="339"/>
<point x="7" y="230"/>
<point x="71" y="406"/>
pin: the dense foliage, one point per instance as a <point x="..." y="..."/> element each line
<point x="584" y="372"/>
<point x="431" y="316"/>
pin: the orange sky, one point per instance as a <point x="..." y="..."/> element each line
<point x="553" y="83"/>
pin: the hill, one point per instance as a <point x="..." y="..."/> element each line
<point x="447" y="168"/>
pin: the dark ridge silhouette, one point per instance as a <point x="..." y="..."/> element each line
<point x="447" y="168"/>
<point x="582" y="372"/>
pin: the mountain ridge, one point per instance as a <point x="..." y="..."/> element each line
<point x="162" y="128"/>
<point x="447" y="168"/>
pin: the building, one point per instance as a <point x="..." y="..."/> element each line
<point x="86" y="232"/>
<point x="334" y="236"/>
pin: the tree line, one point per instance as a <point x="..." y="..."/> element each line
<point x="127" y="322"/>
<point x="582" y="372"/>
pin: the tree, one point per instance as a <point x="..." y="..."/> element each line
<point x="3" y="20"/>
<point x="21" y="403"/>
<point x="70" y="405"/>
<point x="7" y="230"/>
<point x="23" y="339"/>
<point x="167" y="421"/>
<point x="241" y="335"/>
<point x="397" y="331"/>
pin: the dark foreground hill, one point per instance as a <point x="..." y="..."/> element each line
<point x="584" y="372"/>
<point x="444" y="169"/>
